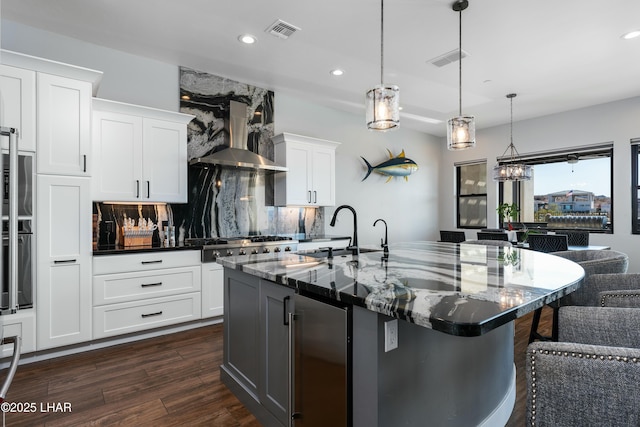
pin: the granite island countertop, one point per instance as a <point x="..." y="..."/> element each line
<point x="459" y="289"/>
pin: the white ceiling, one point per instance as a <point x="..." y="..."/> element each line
<point x="556" y="55"/>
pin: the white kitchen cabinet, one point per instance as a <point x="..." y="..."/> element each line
<point x="310" y="180"/>
<point x="212" y="290"/>
<point x="64" y="126"/>
<point x="22" y="324"/>
<point x="63" y="290"/>
<point x="136" y="292"/>
<point x="140" y="153"/>
<point x="18" y="106"/>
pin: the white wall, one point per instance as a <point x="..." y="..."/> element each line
<point x="616" y="122"/>
<point x="127" y="78"/>
<point x="410" y="208"/>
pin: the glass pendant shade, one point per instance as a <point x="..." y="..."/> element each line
<point x="512" y="172"/>
<point x="461" y="133"/>
<point x="382" y="104"/>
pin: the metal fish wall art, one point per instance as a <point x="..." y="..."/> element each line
<point x="395" y="166"/>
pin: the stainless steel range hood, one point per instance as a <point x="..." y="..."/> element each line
<point x="236" y="153"/>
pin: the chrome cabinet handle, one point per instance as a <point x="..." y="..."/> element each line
<point x="158" y="261"/>
<point x="315" y="196"/>
<point x="84" y="168"/>
<point x="64" y="261"/>
<point x="137" y="188"/>
<point x="144" y="316"/>
<point x="309" y="196"/>
<point x="285" y="321"/>
<point x="148" y="189"/>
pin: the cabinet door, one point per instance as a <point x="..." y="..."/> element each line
<point x="117" y="151"/>
<point x="242" y="328"/>
<point x="18" y="106"/>
<point x="212" y="290"/>
<point x="164" y="161"/>
<point x="64" y="126"/>
<point x="298" y="177"/>
<point x="63" y="302"/>
<point x="276" y="301"/>
<point x="323" y="171"/>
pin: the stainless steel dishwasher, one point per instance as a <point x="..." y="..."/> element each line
<point x="320" y="382"/>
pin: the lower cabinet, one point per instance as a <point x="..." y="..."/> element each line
<point x="136" y="292"/>
<point x="256" y="350"/>
<point x="212" y="290"/>
<point x="63" y="291"/>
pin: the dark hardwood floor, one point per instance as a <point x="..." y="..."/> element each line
<point x="166" y="381"/>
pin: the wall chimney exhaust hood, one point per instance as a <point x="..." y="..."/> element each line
<point x="236" y="154"/>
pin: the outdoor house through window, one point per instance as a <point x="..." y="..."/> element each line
<point x="570" y="189"/>
<point x="471" y="191"/>
<point x="635" y="186"/>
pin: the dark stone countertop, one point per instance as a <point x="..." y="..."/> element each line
<point x="459" y="289"/>
<point x="121" y="250"/>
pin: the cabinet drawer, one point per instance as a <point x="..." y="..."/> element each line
<point x="117" y="319"/>
<point x="108" y="264"/>
<point x="124" y="287"/>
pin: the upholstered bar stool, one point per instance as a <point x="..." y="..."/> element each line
<point x="593" y="262"/>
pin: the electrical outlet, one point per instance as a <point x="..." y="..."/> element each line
<point x="390" y="335"/>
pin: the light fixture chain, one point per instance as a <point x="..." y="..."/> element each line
<point x="381" y="41"/>
<point x="460" y="61"/>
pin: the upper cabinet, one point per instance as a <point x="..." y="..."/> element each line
<point x="140" y="153"/>
<point x="64" y="126"/>
<point x="310" y="180"/>
<point x="18" y="106"/>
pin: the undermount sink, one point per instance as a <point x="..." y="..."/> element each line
<point x="338" y="252"/>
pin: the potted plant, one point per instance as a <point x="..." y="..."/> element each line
<point x="507" y="212"/>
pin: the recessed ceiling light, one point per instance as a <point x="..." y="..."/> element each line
<point x="247" y="39"/>
<point x="336" y="72"/>
<point x="631" y="34"/>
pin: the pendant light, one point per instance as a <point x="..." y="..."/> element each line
<point x="461" y="130"/>
<point x="383" y="101"/>
<point x="514" y="169"/>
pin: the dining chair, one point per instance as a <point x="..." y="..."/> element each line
<point x="589" y="377"/>
<point x="452" y="236"/>
<point x="503" y="243"/>
<point x="492" y="236"/>
<point x="548" y="242"/>
<point x="576" y="238"/>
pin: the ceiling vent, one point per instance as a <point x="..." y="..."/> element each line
<point x="447" y="58"/>
<point x="281" y="29"/>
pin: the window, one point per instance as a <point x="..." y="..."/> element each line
<point x="570" y="189"/>
<point x="471" y="192"/>
<point x="635" y="186"/>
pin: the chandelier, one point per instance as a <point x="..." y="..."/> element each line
<point x="514" y="169"/>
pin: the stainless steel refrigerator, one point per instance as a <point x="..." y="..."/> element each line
<point x="9" y="254"/>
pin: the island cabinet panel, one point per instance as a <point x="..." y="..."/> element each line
<point x="242" y="330"/>
<point x="276" y="302"/>
<point x="140" y="153"/>
<point x="256" y="345"/>
<point x="310" y="180"/>
<point x="18" y="106"/>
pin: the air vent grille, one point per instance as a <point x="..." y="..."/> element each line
<point x="447" y="58"/>
<point x="281" y="29"/>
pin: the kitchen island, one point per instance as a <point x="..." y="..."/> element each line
<point x="456" y="303"/>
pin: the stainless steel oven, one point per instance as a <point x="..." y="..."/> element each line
<point x="25" y="261"/>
